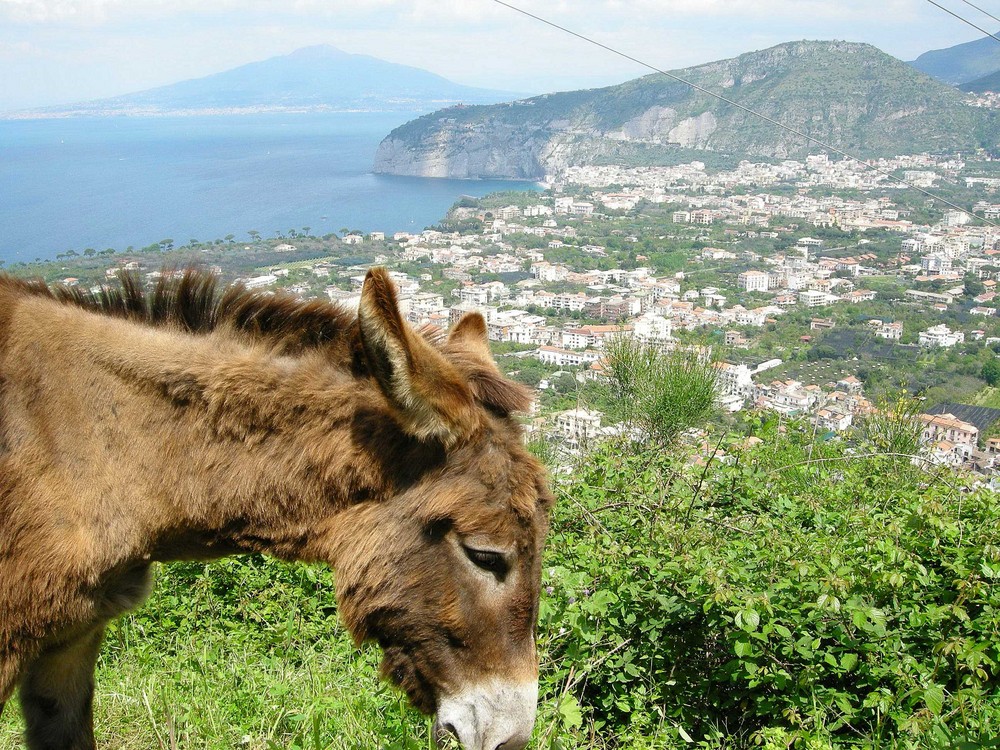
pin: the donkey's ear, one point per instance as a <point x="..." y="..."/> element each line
<point x="471" y="335"/>
<point x="469" y="343"/>
<point x="430" y="397"/>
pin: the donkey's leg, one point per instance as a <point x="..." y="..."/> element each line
<point x="57" y="695"/>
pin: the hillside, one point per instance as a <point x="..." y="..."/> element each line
<point x="312" y="78"/>
<point x="986" y="83"/>
<point x="851" y="95"/>
<point x="962" y="63"/>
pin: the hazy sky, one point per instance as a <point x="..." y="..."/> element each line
<point x="59" y="51"/>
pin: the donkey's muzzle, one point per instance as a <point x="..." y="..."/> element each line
<point x="493" y="716"/>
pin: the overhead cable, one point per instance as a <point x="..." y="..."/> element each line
<point x="984" y="12"/>
<point x="964" y="20"/>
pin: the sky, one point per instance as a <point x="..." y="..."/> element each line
<point x="62" y="51"/>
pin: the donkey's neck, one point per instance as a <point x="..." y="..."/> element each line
<point x="226" y="447"/>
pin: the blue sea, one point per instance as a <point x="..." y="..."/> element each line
<point x="70" y="184"/>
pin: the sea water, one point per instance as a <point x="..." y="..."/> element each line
<point x="77" y="183"/>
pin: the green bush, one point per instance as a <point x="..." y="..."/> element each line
<point x="660" y="394"/>
<point x="991" y="372"/>
<point x="788" y="595"/>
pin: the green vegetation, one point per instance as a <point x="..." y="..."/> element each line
<point x="758" y="588"/>
<point x="783" y="595"/>
<point x="988" y="396"/>
<point x="662" y="396"/>
<point x="790" y="596"/>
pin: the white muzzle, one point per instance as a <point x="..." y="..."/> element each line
<point x="495" y="715"/>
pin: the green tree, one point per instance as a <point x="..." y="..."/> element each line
<point x="991" y="371"/>
<point x="661" y="394"/>
<point x="973" y="286"/>
<point x="564" y="383"/>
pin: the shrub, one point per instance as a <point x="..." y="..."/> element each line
<point x="991" y="371"/>
<point x="789" y="596"/>
<point x="660" y="394"/>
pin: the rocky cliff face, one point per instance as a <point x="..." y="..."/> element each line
<point x="850" y="95"/>
<point x="453" y="150"/>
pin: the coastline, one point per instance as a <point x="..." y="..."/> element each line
<point x="152" y="112"/>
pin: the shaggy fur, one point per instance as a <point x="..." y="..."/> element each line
<point x="189" y="424"/>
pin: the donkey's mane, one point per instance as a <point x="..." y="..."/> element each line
<point x="192" y="301"/>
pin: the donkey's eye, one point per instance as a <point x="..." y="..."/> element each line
<point x="488" y="560"/>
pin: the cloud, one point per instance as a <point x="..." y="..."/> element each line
<point x="105" y="47"/>
<point x="584" y="15"/>
<point x="19" y="50"/>
<point x="96" y="12"/>
<point x="772" y="10"/>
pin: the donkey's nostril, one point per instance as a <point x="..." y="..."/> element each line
<point x="515" y="743"/>
<point x="444" y="732"/>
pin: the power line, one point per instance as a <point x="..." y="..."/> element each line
<point x="964" y="20"/>
<point x="744" y="108"/>
<point x="984" y="12"/>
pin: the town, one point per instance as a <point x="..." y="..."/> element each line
<point x="815" y="288"/>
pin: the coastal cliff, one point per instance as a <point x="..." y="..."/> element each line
<point x="852" y="96"/>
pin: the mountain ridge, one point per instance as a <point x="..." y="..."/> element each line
<point x="989" y="82"/>
<point x="851" y="95"/>
<point x="961" y="63"/>
<point x="316" y="78"/>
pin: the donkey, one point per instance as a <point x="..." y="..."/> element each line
<point x="182" y="424"/>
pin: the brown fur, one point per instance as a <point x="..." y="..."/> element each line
<point x="189" y="424"/>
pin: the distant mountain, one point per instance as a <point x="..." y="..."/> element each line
<point x="310" y="79"/>
<point x="852" y="96"/>
<point x="986" y="83"/>
<point x="961" y="63"/>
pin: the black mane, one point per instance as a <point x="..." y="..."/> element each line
<point x="192" y="301"/>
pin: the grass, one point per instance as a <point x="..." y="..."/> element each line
<point x="245" y="654"/>
<point x="193" y="670"/>
<point x="988" y="396"/>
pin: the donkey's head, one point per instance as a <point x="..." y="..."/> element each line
<point x="444" y="572"/>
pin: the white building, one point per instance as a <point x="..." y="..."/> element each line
<point x="652" y="329"/>
<point x="258" y="282"/>
<point x="940" y="335"/>
<point x="578" y="425"/>
<point x="753" y="281"/>
<point x="553" y="355"/>
<point x="886" y="330"/>
<point x="815" y="298"/>
<point x="935" y="264"/>
<point x="549" y="271"/>
<point x="938" y="427"/>
<point x="734" y="380"/>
